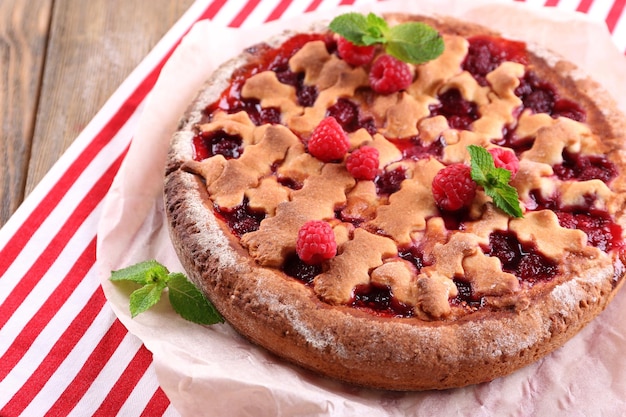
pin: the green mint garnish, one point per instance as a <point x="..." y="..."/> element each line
<point x="495" y="181"/>
<point x="184" y="297"/>
<point x="412" y="42"/>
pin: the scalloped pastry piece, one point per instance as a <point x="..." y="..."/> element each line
<point x="310" y="59"/>
<point x="401" y="118"/>
<point x="543" y="228"/>
<point x="434" y="292"/>
<point x="361" y="202"/>
<point x="352" y="266"/>
<point x="449" y="256"/>
<point x="457" y="151"/>
<point x="486" y="276"/>
<point x="575" y="193"/>
<point x="433" y="74"/>
<point x="298" y="165"/>
<point x="400" y="277"/>
<point x="235" y="124"/>
<point x="317" y="199"/>
<point x="551" y="140"/>
<point x="345" y="84"/>
<point x="431" y="128"/>
<point x="267" y="196"/>
<point x="533" y="176"/>
<point x="414" y="200"/>
<point x="492" y="220"/>
<point x="529" y="123"/>
<point x="228" y="180"/>
<point x="266" y="87"/>
<point x="468" y="87"/>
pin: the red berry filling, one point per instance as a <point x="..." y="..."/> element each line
<point x="388" y="182"/>
<point x="380" y="300"/>
<point x="601" y="231"/>
<point x="585" y="168"/>
<point x="521" y="259"/>
<point x="466" y="296"/>
<point x="273" y="59"/>
<point x="347" y="114"/>
<point x="208" y="144"/>
<point x="241" y="219"/>
<point x="300" y="270"/>
<point x="459" y="112"/>
<point x="486" y="53"/>
<point x="414" y="255"/>
<point x="413" y="148"/>
<point x="542" y="97"/>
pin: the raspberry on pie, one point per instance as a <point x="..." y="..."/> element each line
<point x="300" y="200"/>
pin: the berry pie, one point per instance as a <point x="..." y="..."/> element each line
<point x="397" y="224"/>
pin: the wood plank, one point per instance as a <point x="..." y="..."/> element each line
<point x="23" y="36"/>
<point x="93" y="47"/>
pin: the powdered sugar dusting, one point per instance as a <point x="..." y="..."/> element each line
<point x="209" y="233"/>
<point x="569" y="294"/>
<point x="317" y="339"/>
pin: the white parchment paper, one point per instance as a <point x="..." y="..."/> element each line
<point x="212" y="371"/>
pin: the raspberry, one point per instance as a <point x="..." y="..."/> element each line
<point x="389" y="75"/>
<point x="353" y="54"/>
<point x="363" y="163"/>
<point x="504" y="158"/>
<point x="328" y="141"/>
<point x="453" y="187"/>
<point x="316" y="242"/>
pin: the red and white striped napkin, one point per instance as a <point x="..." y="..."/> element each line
<point x="62" y="349"/>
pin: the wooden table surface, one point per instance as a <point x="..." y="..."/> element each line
<point x="60" y="60"/>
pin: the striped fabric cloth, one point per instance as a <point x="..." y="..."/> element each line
<point x="62" y="350"/>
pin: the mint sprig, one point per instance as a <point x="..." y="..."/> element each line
<point x="495" y="181"/>
<point x="412" y="42"/>
<point x="184" y="297"/>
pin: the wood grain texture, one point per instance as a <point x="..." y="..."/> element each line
<point x="93" y="47"/>
<point x="59" y="63"/>
<point x="24" y="27"/>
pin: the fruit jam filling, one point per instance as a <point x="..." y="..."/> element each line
<point x="349" y="114"/>
<point x="269" y="59"/>
<point x="380" y="300"/>
<point x="585" y="168"/>
<point x="208" y="144"/>
<point x="459" y="112"/>
<point x="520" y="259"/>
<point x="601" y="230"/>
<point x="241" y="219"/>
<point x="486" y="53"/>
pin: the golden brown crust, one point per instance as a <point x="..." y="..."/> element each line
<point x="289" y="319"/>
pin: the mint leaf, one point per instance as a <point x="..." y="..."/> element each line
<point x="500" y="176"/>
<point x="495" y="181"/>
<point x="185" y="298"/>
<point x="141" y="273"/>
<point x="505" y="197"/>
<point x="352" y="26"/>
<point x="376" y="30"/>
<point x="414" y="42"/>
<point x="191" y="303"/>
<point x="145" y="297"/>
